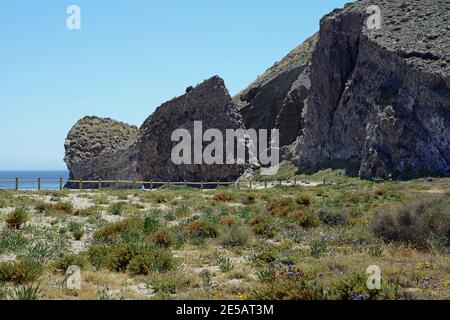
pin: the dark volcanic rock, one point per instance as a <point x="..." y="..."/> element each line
<point x="375" y="102"/>
<point x="380" y="99"/>
<point x="210" y="103"/>
<point x="275" y="99"/>
<point x="99" y="148"/>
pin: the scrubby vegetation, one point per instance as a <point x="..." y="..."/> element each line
<point x="307" y="242"/>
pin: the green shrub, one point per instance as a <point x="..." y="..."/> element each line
<point x="12" y="240"/>
<point x="261" y="226"/>
<point x="128" y="230"/>
<point x="71" y="259"/>
<point x="135" y="257"/>
<point x="168" y="283"/>
<point x="24" y="270"/>
<point x="221" y="196"/>
<point x="102" y="199"/>
<point x="303" y="201"/>
<point x="233" y="236"/>
<point x="117" y="208"/>
<point x="151" y="260"/>
<point x="98" y="255"/>
<point x="162" y="238"/>
<point x="77" y="230"/>
<point x="225" y="263"/>
<point x="202" y="229"/>
<point x="416" y="222"/>
<point x="42" y="207"/>
<point x="304" y="219"/>
<point x="281" y="207"/>
<point x="62" y="207"/>
<point x="267" y="274"/>
<point x="318" y="247"/>
<point x="333" y="216"/>
<point x="15" y="219"/>
<point x="150" y="224"/>
<point x="27" y="293"/>
<point x="354" y="287"/>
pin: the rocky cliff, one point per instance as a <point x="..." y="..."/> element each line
<point x="375" y="102"/>
<point x="380" y="99"/>
<point x="275" y="99"/>
<point x="98" y="148"/>
<point x="209" y="103"/>
<point x="378" y="104"/>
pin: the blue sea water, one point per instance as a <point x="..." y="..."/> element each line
<point x="32" y="175"/>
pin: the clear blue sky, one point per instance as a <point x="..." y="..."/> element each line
<point x="129" y="57"/>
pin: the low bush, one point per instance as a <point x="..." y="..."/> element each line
<point x="416" y="222"/>
<point x="281" y="207"/>
<point x="151" y="260"/>
<point x="162" y="238"/>
<point x="333" y="216"/>
<point x="24" y="270"/>
<point x="233" y="236"/>
<point x="222" y="197"/>
<point x="150" y="224"/>
<point x="128" y="230"/>
<point x="117" y="208"/>
<point x="28" y="292"/>
<point x="262" y="226"/>
<point x="304" y="201"/>
<point x="304" y="219"/>
<point x="17" y="218"/>
<point x="71" y="259"/>
<point x="132" y="257"/>
<point x="227" y="221"/>
<point x="42" y="207"/>
<point x="76" y="229"/>
<point x="202" y="229"/>
<point x="169" y="282"/>
<point x="62" y="207"/>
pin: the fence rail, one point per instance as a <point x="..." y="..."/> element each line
<point x="152" y="184"/>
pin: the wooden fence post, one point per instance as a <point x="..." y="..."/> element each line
<point x="60" y="184"/>
<point x="201" y="185"/>
<point x="17" y="183"/>
<point x="295" y="182"/>
<point x="116" y="184"/>
<point x="151" y="185"/>
<point x="134" y="184"/>
<point x="39" y="184"/>
<point x="81" y="184"/>
<point x="250" y="185"/>
<point x="265" y="184"/>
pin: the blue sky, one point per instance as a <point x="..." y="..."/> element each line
<point x="129" y="57"/>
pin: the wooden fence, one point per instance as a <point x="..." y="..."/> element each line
<point x="151" y="184"/>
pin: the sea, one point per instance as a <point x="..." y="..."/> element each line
<point x="32" y="175"/>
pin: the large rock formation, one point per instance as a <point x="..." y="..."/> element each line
<point x="380" y="99"/>
<point x="99" y="148"/>
<point x="378" y="104"/>
<point x="375" y="102"/>
<point x="275" y="99"/>
<point x="210" y="103"/>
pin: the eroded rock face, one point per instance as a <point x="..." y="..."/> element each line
<point x="380" y="99"/>
<point x="276" y="98"/>
<point x="98" y="148"/>
<point x="375" y="102"/>
<point x="210" y="103"/>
